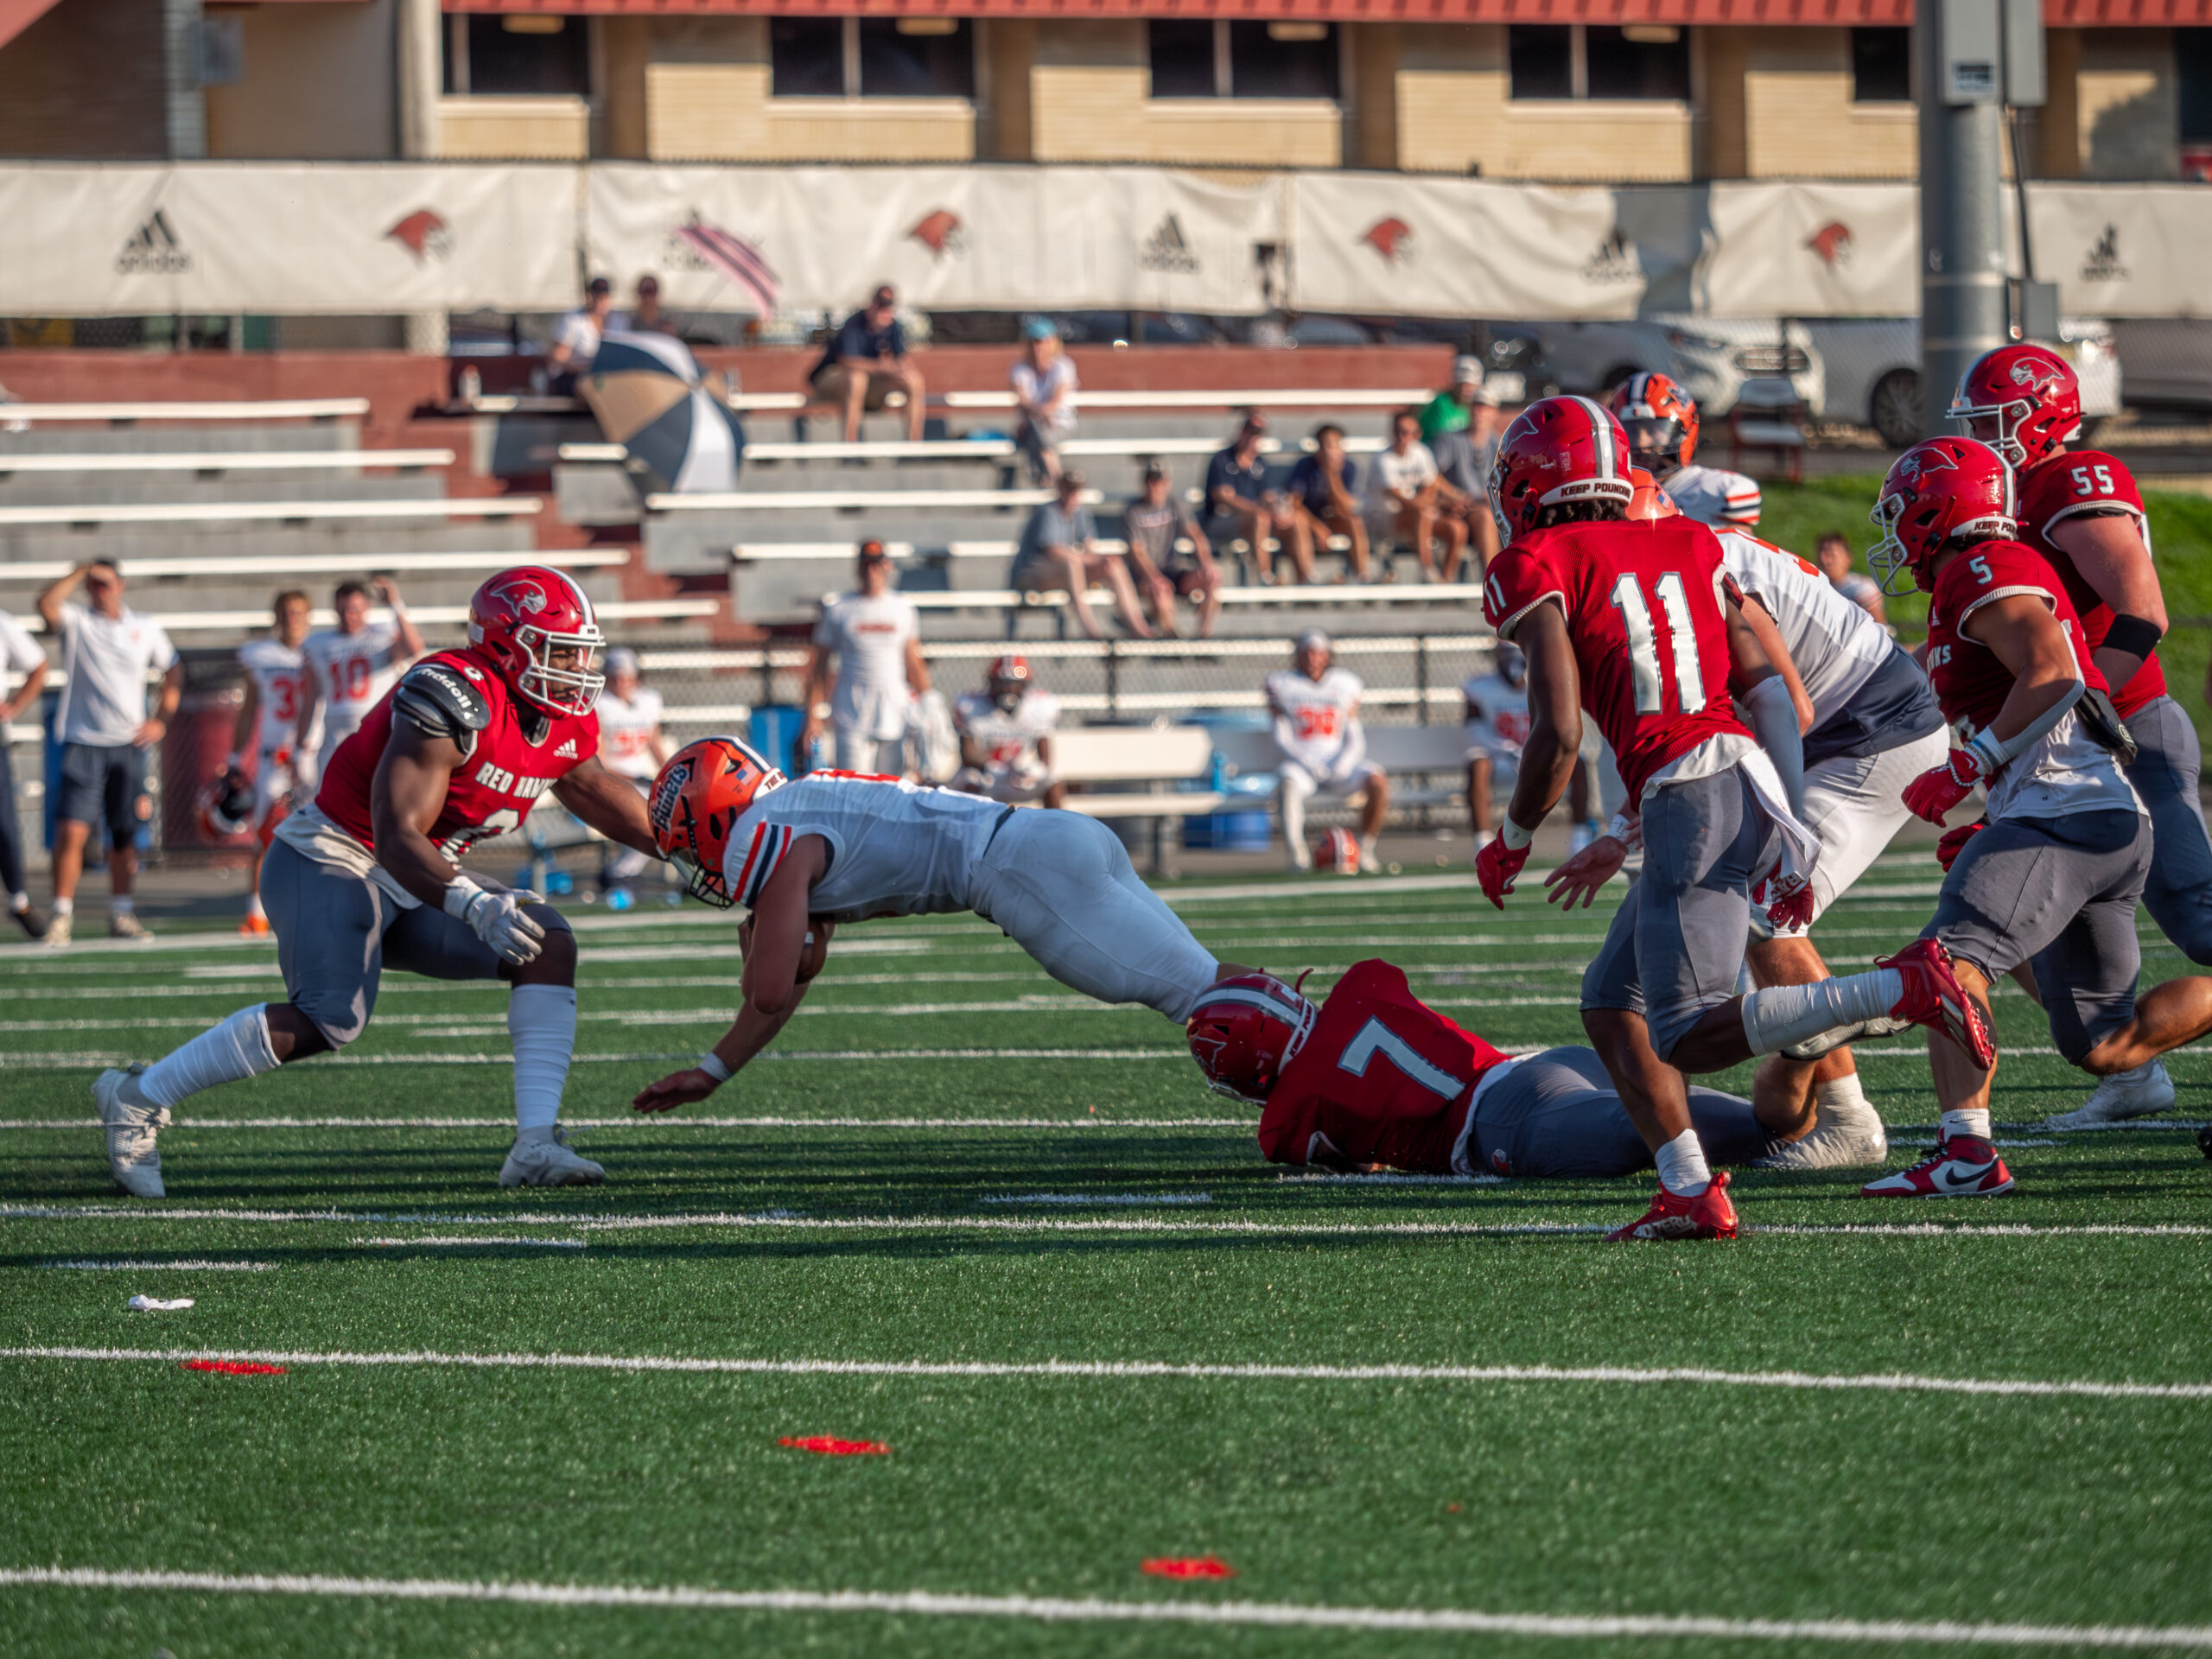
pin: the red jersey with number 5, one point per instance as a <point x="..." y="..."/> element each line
<point x="2075" y="484"/>
<point x="521" y="753"/>
<point x="1382" y="1079"/>
<point x="1644" y="615"/>
<point x="1971" y="681"/>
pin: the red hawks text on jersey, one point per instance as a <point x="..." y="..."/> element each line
<point x="520" y="754"/>
<point x="1971" y="681"/>
<point x="1643" y="614"/>
<point x="1382" y="1079"/>
<point x="2063" y="486"/>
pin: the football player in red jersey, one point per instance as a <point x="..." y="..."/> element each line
<point x="1636" y="623"/>
<point x="370" y="875"/>
<point x="2081" y="510"/>
<point x="2053" y="878"/>
<point x="1375" y="1075"/>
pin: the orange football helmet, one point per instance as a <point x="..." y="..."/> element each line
<point x="697" y="801"/>
<point x="1662" y="421"/>
<point x="1650" y="501"/>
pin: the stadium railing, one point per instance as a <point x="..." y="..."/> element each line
<point x="852" y="500"/>
<point x="16" y="415"/>
<point x="245" y="622"/>
<point x="222" y="461"/>
<point x="996" y="450"/>
<point x="291" y="567"/>
<point x="212" y="513"/>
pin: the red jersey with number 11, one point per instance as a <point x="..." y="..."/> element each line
<point x="1643" y="613"/>
<point x="1382" y="1079"/>
<point x="521" y="753"/>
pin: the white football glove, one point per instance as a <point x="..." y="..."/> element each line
<point x="497" y="918"/>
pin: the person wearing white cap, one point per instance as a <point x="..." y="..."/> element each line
<point x="630" y="745"/>
<point x="1316" y="709"/>
<point x="1453" y="409"/>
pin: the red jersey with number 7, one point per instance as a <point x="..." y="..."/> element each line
<point x="1643" y="600"/>
<point x="1381" y="1078"/>
<point x="522" y="752"/>
<point x="2075" y="484"/>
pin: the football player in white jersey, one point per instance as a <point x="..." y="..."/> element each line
<point x="1497" y="725"/>
<point x="1316" y="709"/>
<point x="269" y="720"/>
<point x="1662" y="421"/>
<point x="1006" y="736"/>
<point x="630" y="745"/>
<point x="833" y="847"/>
<point x="350" y="667"/>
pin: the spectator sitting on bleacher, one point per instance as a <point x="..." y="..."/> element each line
<point x="645" y="316"/>
<point x="1239" y="504"/>
<point x="1406" y="499"/>
<point x="1059" y="551"/>
<point x="1043" y="398"/>
<point x="1453" y="409"/>
<point x="1834" y="552"/>
<point x="1156" y="525"/>
<point x="875" y="636"/>
<point x="1323" y="492"/>
<point x="1316" y="709"/>
<point x="19" y="654"/>
<point x="1006" y="736"/>
<point x="867" y="362"/>
<point x="576" y="337"/>
<point x="1463" y="458"/>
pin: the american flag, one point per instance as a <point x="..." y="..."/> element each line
<point x="736" y="258"/>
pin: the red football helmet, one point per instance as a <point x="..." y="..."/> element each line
<point x="1939" y="488"/>
<point x="1661" y="420"/>
<point x="1557" y="450"/>
<point x="2029" y="397"/>
<point x="1650" y="501"/>
<point x="697" y="801"/>
<point x="1338" y="851"/>
<point x="1008" y="678"/>
<point x="537" y="626"/>
<point x="1245" y="1030"/>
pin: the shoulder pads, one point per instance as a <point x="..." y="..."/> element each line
<point x="438" y="702"/>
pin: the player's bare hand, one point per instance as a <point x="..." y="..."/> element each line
<point x="676" y="1089"/>
<point x="1581" y="876"/>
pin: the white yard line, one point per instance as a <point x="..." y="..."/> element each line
<point x="1099" y="1197"/>
<point x="672" y="1120"/>
<point x="180" y="1265"/>
<point x="464" y="1243"/>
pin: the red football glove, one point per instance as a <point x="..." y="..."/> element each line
<point x="1790" y="910"/>
<point x="1955" y="843"/>
<point x="1939" y="789"/>
<point x="1495" y="867"/>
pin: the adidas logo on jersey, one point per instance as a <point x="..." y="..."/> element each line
<point x="567" y="751"/>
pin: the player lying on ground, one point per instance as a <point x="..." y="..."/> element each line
<point x="1638" y="624"/>
<point x="1373" y="1075"/>
<point x="840" y="847"/>
<point x="2054" y="878"/>
<point x="370" y="875"/>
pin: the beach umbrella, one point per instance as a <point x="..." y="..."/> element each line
<point x="650" y="399"/>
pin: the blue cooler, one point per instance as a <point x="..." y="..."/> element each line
<point x="1239" y="828"/>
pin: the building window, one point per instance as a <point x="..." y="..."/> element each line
<point x="1567" y="60"/>
<point x="2193" y="74"/>
<point x="1225" y="59"/>
<point x="524" y="53"/>
<point x="871" y="57"/>
<point x="1881" y="65"/>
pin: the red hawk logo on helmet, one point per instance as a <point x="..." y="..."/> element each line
<point x="1939" y="490"/>
<point x="537" y="626"/>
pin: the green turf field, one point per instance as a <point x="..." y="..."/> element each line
<point x="1007" y="1235"/>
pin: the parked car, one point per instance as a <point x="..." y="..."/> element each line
<point x="2166" y="360"/>
<point x="1873" y="369"/>
<point x="1710" y="357"/>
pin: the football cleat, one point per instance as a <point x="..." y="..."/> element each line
<point x="255" y="926"/>
<point x="548" y="1163"/>
<point x="1709" y="1214"/>
<point x="2139" y="1093"/>
<point x="125" y="925"/>
<point x="1933" y="998"/>
<point x="1841" y="1138"/>
<point x="31" y="921"/>
<point x="56" y="937"/>
<point x="1828" y="1041"/>
<point x="131" y="1123"/>
<point x="1962" y="1167"/>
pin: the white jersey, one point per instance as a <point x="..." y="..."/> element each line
<point x="1836" y="646"/>
<point x="625" y="733"/>
<point x="1316" y="721"/>
<point x="1714" y="496"/>
<point x="279" y="675"/>
<point x="1009" y="741"/>
<point x="896" y="849"/>
<point x="1503" y="726"/>
<point x="352" y="671"/>
<point x="869" y="637"/>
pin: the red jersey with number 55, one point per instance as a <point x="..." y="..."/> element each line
<point x="1643" y="613"/>
<point x="2076" y="485"/>
<point x="520" y="754"/>
<point x="1382" y="1079"/>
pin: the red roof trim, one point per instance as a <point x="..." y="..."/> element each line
<point x="2163" y="13"/>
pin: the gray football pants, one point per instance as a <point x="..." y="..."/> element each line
<point x="2178" y="891"/>
<point x="1557" y="1114"/>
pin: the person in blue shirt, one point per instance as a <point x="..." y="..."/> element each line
<point x="1323" y="495"/>
<point x="867" y="362"/>
<point x="1239" y="504"/>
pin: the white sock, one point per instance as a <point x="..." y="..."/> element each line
<point x="1294" y="818"/>
<point x="253" y="907"/>
<point x="1367" y="850"/>
<point x="1842" y="1098"/>
<point x="19" y="902"/>
<point x="230" y="1052"/>
<point x="1783" y="1015"/>
<point x="1975" y="1123"/>
<point x="1682" y="1168"/>
<point x="542" y="1022"/>
<point x="64" y="906"/>
<point x="121" y="904"/>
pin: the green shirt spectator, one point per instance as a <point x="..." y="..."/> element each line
<point x="1450" y="410"/>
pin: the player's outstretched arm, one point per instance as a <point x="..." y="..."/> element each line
<point x="609" y="805"/>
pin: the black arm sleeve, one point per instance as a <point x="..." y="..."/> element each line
<point x="437" y="702"/>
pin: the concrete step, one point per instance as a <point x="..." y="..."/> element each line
<point x="40" y="489"/>
<point x="364" y="541"/>
<point x="94" y="440"/>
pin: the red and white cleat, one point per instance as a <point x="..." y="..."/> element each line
<point x="1709" y="1214"/>
<point x="1933" y="998"/>
<point x="1961" y="1167"/>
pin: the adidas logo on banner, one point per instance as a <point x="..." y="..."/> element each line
<point x="2102" y="262"/>
<point x="154" y="250"/>
<point x="567" y="751"/>
<point x="1165" y="249"/>
<point x="1614" y="261"/>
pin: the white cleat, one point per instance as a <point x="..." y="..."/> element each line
<point x="56" y="937"/>
<point x="547" y="1162"/>
<point x="1842" y="1137"/>
<point x="131" y="1123"/>
<point x="2124" y="1094"/>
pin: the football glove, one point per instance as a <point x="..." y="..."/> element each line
<point x="1789" y="901"/>
<point x="1939" y="789"/>
<point x="497" y="919"/>
<point x="1495" y="867"/>
<point x="1954" y="842"/>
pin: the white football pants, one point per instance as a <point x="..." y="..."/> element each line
<point x="1855" y="806"/>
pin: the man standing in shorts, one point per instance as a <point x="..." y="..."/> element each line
<point x="1323" y="745"/>
<point x="1156" y="525"/>
<point x="106" y="735"/>
<point x="872" y="637"/>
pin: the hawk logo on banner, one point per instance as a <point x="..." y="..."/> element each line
<point x="154" y="249"/>
<point x="2102" y="262"/>
<point x="941" y="233"/>
<point x="423" y="234"/>
<point x="1393" y="238"/>
<point x="1165" y="249"/>
<point x="1835" y="243"/>
<point x="1615" y="261"/>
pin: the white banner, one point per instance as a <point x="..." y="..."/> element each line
<point x="1813" y="250"/>
<point x="2125" y="250"/>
